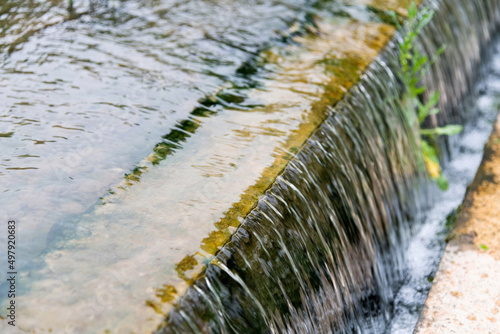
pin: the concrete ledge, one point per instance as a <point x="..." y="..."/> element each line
<point x="465" y="296"/>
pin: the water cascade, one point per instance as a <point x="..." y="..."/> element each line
<point x="323" y="250"/>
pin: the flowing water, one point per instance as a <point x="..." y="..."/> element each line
<point x="324" y="251"/>
<point x="219" y="107"/>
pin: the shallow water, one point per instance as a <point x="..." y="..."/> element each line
<point x="85" y="100"/>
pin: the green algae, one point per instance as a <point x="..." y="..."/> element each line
<point x="6" y="134"/>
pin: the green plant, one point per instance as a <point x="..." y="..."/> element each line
<point x="414" y="65"/>
<point x="484" y="247"/>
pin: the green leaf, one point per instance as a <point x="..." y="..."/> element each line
<point x="412" y="11"/>
<point x="441" y="50"/>
<point x="419" y="90"/>
<point x="394" y="17"/>
<point x="434" y="99"/>
<point x="484" y="247"/>
<point x="442" y="182"/>
<point x="429" y="151"/>
<point x="414" y="66"/>
<point x="427" y="109"/>
<point x="426" y="17"/>
<point x="449" y="130"/>
<point x="434" y="111"/>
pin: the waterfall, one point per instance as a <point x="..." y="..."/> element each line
<point x="324" y="249"/>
